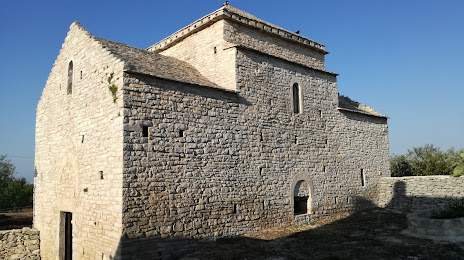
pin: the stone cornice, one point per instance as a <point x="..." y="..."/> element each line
<point x="240" y="17"/>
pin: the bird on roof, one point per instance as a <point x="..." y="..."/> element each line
<point x="226" y="3"/>
<point x="297" y="32"/>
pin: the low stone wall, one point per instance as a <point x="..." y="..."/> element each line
<point x="419" y="192"/>
<point x="422" y="225"/>
<point x="19" y="244"/>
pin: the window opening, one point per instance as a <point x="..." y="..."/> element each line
<point x="215" y="50"/>
<point x="363" y="178"/>
<point x="296" y="98"/>
<point x="235" y="209"/>
<point x="70" y="76"/>
<point x="81" y="74"/>
<point x="145" y="131"/>
<point x="181" y="133"/>
<point x="101" y="175"/>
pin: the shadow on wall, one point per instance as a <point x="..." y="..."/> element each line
<point x="370" y="233"/>
<point x="405" y="202"/>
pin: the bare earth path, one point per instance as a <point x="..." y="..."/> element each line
<point x="372" y="234"/>
<point x="16" y="220"/>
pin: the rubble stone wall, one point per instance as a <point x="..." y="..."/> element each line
<point x="19" y="244"/>
<point x="420" y="192"/>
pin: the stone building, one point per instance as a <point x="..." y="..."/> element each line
<point x="228" y="126"/>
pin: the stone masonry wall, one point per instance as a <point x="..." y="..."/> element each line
<point x="239" y="34"/>
<point x="217" y="163"/>
<point x="208" y="52"/>
<point x="78" y="156"/>
<point x="420" y="192"/>
<point x="19" y="244"/>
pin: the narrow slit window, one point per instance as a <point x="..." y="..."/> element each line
<point x="70" y="77"/>
<point x="145" y="131"/>
<point x="363" y="178"/>
<point x="181" y="133"/>
<point x="296" y="98"/>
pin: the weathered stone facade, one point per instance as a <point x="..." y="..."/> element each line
<point x="229" y="126"/>
<point x="420" y="192"/>
<point x="19" y="244"/>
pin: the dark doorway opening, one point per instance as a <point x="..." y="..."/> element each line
<point x="301" y="205"/>
<point x="66" y="236"/>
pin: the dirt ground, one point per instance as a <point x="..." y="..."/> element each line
<point x="372" y="234"/>
<point x="16" y="220"/>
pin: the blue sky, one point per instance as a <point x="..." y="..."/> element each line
<point x="405" y="58"/>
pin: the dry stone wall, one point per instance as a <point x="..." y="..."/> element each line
<point x="420" y="192"/>
<point x="79" y="151"/>
<point x="19" y="244"/>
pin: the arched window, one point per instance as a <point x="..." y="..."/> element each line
<point x="296" y="98"/>
<point x="70" y="77"/>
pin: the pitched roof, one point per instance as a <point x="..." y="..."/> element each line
<point x="238" y="16"/>
<point x="347" y="104"/>
<point x="153" y="64"/>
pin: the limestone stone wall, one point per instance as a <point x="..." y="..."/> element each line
<point x="19" y="244"/>
<point x="217" y="163"/>
<point x="420" y="192"/>
<point x="245" y="36"/>
<point x="78" y="157"/>
<point x="208" y="52"/>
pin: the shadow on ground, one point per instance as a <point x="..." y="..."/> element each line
<point x="370" y="234"/>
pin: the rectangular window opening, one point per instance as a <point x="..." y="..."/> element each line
<point x="235" y="209"/>
<point x="145" y="131"/>
<point x="181" y="133"/>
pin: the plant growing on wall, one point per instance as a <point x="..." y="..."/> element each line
<point x="459" y="170"/>
<point x="112" y="87"/>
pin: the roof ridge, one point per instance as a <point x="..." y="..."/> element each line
<point x="237" y="15"/>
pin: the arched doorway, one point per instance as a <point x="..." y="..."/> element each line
<point x="300" y="197"/>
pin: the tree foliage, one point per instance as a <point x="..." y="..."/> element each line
<point x="14" y="192"/>
<point x="426" y="160"/>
